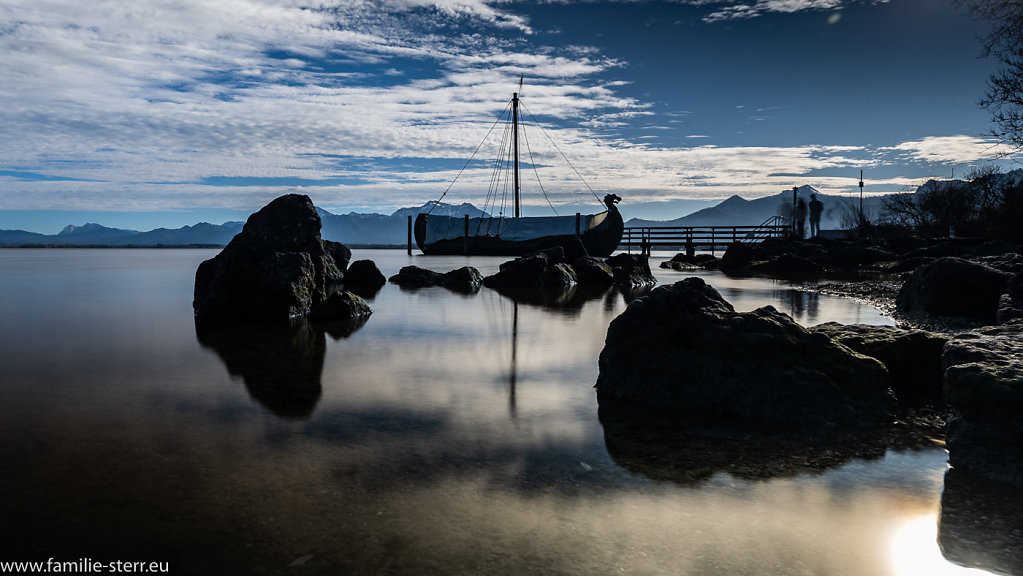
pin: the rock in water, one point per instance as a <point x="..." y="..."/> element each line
<point x="984" y="386"/>
<point x="275" y="270"/>
<point x="912" y="357"/>
<point x="681" y="355"/>
<point x="953" y="287"/>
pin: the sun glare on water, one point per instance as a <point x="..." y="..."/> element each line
<point x="915" y="552"/>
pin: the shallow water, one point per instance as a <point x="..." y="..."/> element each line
<point x="448" y="435"/>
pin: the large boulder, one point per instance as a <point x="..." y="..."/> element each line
<point x="953" y="287"/>
<point x="912" y="357"/>
<point x="275" y="270"/>
<point x="684" y="356"/>
<point x="984" y="387"/>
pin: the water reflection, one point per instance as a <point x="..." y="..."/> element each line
<point x="690" y="459"/>
<point x="568" y="301"/>
<point x="281" y="365"/>
<point x="981" y="523"/>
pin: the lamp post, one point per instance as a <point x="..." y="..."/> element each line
<point x="861" y="203"/>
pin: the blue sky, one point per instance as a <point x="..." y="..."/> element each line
<point x="153" y="113"/>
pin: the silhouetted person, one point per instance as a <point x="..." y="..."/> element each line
<point x="816" y="207"/>
<point x="800" y="217"/>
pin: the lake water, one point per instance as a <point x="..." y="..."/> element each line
<point x="450" y="434"/>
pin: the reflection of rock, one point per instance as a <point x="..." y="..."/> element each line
<point x="953" y="287"/>
<point x="274" y="270"/>
<point x="280" y="364"/>
<point x="673" y="454"/>
<point x="683" y="355"/>
<point x="364" y="278"/>
<point x="984" y="386"/>
<point x="568" y="300"/>
<point x="912" y="357"/>
<point x="981" y="524"/>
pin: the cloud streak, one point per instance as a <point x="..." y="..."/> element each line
<point x="158" y="106"/>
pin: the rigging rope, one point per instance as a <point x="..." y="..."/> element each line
<point x="535" y="172"/>
<point x="562" y="153"/>
<point x="470" y="157"/>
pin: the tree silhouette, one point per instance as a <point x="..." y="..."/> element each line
<point x="1004" y="95"/>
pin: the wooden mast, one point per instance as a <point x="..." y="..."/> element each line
<point x="515" y="127"/>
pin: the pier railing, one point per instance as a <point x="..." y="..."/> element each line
<point x="689" y="238"/>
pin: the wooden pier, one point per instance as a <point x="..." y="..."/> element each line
<point x="689" y="238"/>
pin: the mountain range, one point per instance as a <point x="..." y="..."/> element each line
<point x="351" y="229"/>
<point x="357" y="229"/>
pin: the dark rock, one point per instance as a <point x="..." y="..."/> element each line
<point x="909" y="264"/>
<point x="631" y="270"/>
<point x="341" y="307"/>
<point x="912" y="357"/>
<point x="788" y="266"/>
<point x="466" y="280"/>
<point x="953" y="287"/>
<point x="415" y="277"/>
<point x="979" y="525"/>
<point x="984" y="386"/>
<point x="364" y="278"/>
<point x="274" y="270"/>
<point x="558" y="276"/>
<point x="521" y="272"/>
<point x="554" y="255"/>
<point x="939" y="250"/>
<point x="593" y="271"/>
<point x="574" y="250"/>
<point x="739" y="256"/>
<point x="684" y="262"/>
<point x="1010" y="262"/>
<point x="683" y="355"/>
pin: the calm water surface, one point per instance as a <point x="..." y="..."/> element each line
<point x="449" y="435"/>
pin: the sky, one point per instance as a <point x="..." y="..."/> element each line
<point x="161" y="113"/>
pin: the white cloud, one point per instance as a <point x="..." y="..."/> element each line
<point x="958" y="149"/>
<point x="136" y="105"/>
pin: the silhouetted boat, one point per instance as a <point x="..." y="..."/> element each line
<point x="600" y="233"/>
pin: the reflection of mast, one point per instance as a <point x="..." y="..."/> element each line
<point x="515" y="344"/>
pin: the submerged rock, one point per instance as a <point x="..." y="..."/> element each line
<point x="682" y="355"/>
<point x="275" y="270"/>
<point x="415" y="277"/>
<point x="984" y="386"/>
<point x="465" y="279"/>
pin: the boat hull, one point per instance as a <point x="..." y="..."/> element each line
<point x="600" y="240"/>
